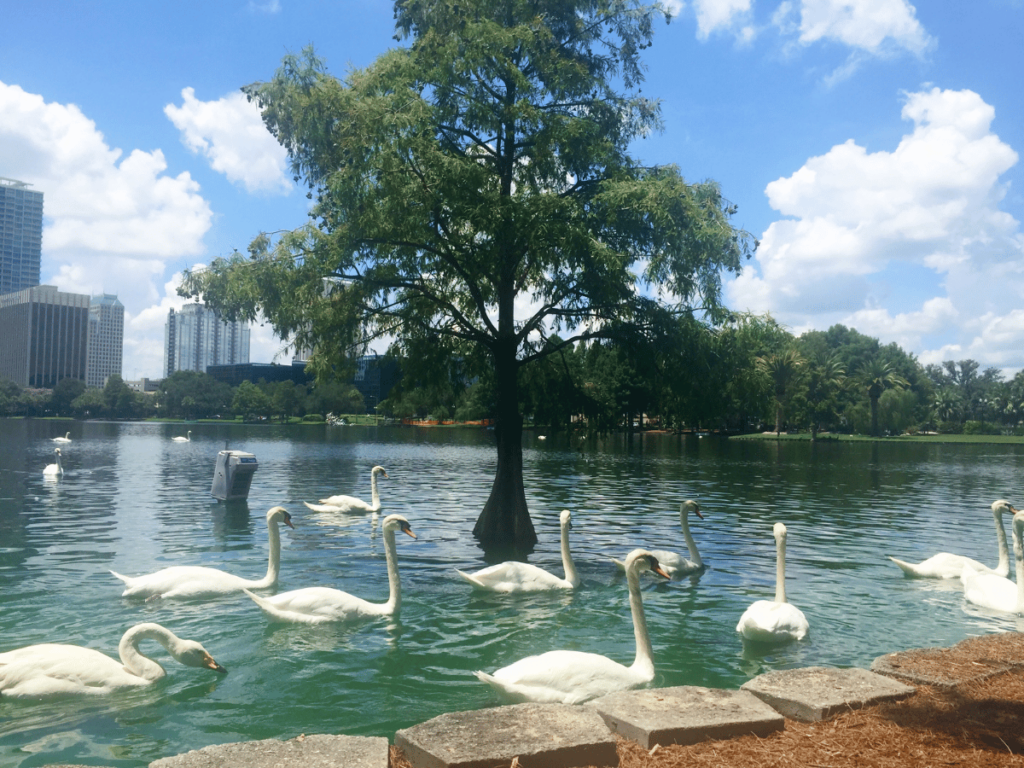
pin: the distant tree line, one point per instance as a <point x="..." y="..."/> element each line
<point x="749" y="374"/>
<point x="182" y="395"/>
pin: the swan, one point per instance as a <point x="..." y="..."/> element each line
<point x="774" y="621"/>
<point x="675" y="565"/>
<point x="65" y="439"/>
<point x="54" y="470"/>
<point x="351" y="503"/>
<point x="186" y="439"/>
<point x="52" y="669"/>
<point x="572" y="677"/>
<point x="948" y="566"/>
<point x="990" y="590"/>
<point x="522" y="577"/>
<point x="318" y="605"/>
<point x="194" y="581"/>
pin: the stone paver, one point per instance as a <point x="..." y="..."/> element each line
<point x="816" y="693"/>
<point x="540" y="735"/>
<point x="901" y="666"/>
<point x="686" y="715"/>
<point x="317" y="751"/>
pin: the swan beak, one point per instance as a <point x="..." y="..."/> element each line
<point x="209" y="663"/>
<point x="696" y="511"/>
<point x="409" y="531"/>
<point x="661" y="572"/>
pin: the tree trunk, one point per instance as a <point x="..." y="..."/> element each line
<point x="504" y="523"/>
<point x="778" y="419"/>
<point x="874" y="417"/>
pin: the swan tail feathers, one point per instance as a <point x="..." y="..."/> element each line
<point x="321" y="507"/>
<point x="907" y="568"/>
<point x="619" y="564"/>
<point x="475" y="582"/>
<point x="125" y="579"/>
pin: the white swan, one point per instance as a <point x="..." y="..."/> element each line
<point x="186" y="439"/>
<point x="513" y="576"/>
<point x="317" y="605"/>
<point x="351" y="503"/>
<point x="51" y="669"/>
<point x="572" y="677"/>
<point x="998" y="593"/>
<point x="195" y="581"/>
<point x="948" y="566"/>
<point x="56" y="469"/>
<point x="774" y="621"/>
<point x="675" y="565"/>
<point x="65" y="439"/>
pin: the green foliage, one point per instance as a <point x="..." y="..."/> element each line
<point x="313" y="417"/>
<point x="90" y="405"/>
<point x="193" y="395"/>
<point x="335" y="397"/>
<point x="251" y="402"/>
<point x="63" y="394"/>
<point x="981" y="428"/>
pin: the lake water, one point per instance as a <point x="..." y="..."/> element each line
<point x="133" y="501"/>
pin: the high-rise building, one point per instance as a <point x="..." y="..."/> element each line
<point x="195" y="337"/>
<point x="106" y="339"/>
<point x="45" y="336"/>
<point x="21" y="235"/>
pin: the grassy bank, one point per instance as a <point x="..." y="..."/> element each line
<point x="829" y="438"/>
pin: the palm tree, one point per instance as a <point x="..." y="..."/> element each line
<point x="876" y="376"/>
<point x="783" y="369"/>
<point x="825" y="377"/>
<point x="947" y="404"/>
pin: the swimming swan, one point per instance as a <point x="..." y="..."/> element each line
<point x="186" y="439"/>
<point x="998" y="593"/>
<point x="514" y="576"/>
<point x="675" y="565"/>
<point x="54" y="470"/>
<point x="65" y="439"/>
<point x="774" y="621"/>
<point x="318" y="605"/>
<point x="948" y="566"/>
<point x="572" y="677"/>
<point x="351" y="503"/>
<point x="52" y="669"/>
<point x="195" y="581"/>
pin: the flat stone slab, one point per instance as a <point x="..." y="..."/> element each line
<point x="816" y="693"/>
<point x="686" y="714"/>
<point x="540" y="735"/>
<point x="965" y="662"/>
<point x="317" y="751"/>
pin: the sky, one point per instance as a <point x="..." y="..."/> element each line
<point x="871" y="146"/>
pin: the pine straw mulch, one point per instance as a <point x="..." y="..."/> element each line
<point x="973" y="718"/>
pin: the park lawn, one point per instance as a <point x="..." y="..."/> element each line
<point x="832" y="437"/>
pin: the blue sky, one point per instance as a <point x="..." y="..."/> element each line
<point x="871" y="145"/>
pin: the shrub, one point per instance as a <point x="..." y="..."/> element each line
<point x="981" y="428"/>
<point x="313" y="417"/>
<point x="951" y="427"/>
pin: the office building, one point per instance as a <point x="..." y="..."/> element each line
<point x="196" y="338"/>
<point x="21" y="236"/>
<point x="106" y="339"/>
<point x="45" y="336"/>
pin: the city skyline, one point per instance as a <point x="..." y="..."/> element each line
<point x="872" y="146"/>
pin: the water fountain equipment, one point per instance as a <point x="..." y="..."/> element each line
<point x="233" y="475"/>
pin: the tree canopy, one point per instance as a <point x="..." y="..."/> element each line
<point x="474" y="196"/>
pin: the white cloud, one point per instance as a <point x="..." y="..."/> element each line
<point x="230" y="134"/>
<point x="859" y="222"/>
<point x="111" y="222"/>
<point x="721" y="15"/>
<point x="869" y="25"/>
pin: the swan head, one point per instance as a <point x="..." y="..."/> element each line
<point x="279" y="515"/>
<point x="397" y="523"/>
<point x="689" y="506"/>
<point x="379" y="470"/>
<point x="999" y="506"/>
<point x="192" y="654"/>
<point x="779" y="530"/>
<point x="640" y="560"/>
<point x="565" y="519"/>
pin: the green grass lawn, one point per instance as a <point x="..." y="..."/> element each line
<point x="829" y="437"/>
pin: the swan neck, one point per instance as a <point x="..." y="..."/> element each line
<point x="1018" y="556"/>
<point x="691" y="545"/>
<point x="780" y="570"/>
<point x="395" y="587"/>
<point x="274" y="564"/>
<point x="374" y="493"/>
<point x="1003" y="567"/>
<point x="134" y="661"/>
<point x="567" y="563"/>
<point x="644" y="661"/>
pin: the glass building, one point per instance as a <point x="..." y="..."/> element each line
<point x="21" y="235"/>
<point x="196" y="338"/>
<point x="45" y="336"/>
<point x="106" y="339"/>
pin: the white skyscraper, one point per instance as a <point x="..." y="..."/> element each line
<point x="106" y="339"/>
<point x="196" y="338"/>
